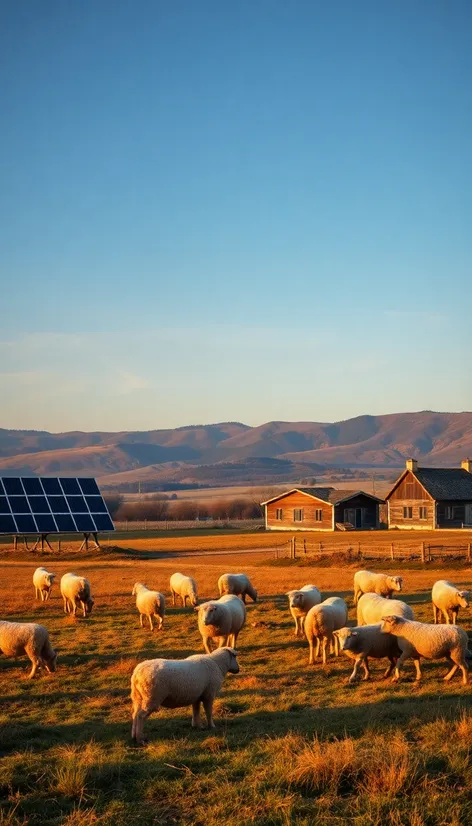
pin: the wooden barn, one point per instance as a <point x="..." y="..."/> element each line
<point x="426" y="498"/>
<point x="321" y="509"/>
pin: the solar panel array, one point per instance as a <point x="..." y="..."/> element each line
<point x="42" y="505"/>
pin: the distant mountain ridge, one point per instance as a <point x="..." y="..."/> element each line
<point x="362" y="442"/>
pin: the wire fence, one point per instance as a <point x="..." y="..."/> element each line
<point x="187" y="524"/>
<point x="298" y="547"/>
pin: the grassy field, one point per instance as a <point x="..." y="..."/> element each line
<point x="293" y="744"/>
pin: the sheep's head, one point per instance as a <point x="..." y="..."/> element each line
<point x="252" y="593"/>
<point x="396" y="582"/>
<point x="234" y="665"/>
<point x="50" y="579"/>
<point x="296" y="599"/>
<point x="391" y="624"/>
<point x="51" y="663"/>
<point x="89" y="605"/>
<point x="136" y="587"/>
<point x="463" y="599"/>
<point x="194" y="600"/>
<point x="346" y="637"/>
<point x="209" y="612"/>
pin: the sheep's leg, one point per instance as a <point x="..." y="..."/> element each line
<point x="398" y="665"/>
<point x="418" y="669"/>
<point x="435" y="614"/>
<point x="138" y="726"/>
<point x="34" y="668"/>
<point x="446" y="614"/>
<point x="208" y="706"/>
<point x="390" y="667"/>
<point x="150" y="622"/>
<point x="297" y="626"/>
<point x="206" y="645"/>
<point x="196" y="722"/>
<point x="46" y="595"/>
<point x="364" y="661"/>
<point x="243" y="597"/>
<point x="324" y="645"/>
<point x="173" y="597"/>
<point x="455" y="612"/>
<point x="65" y="605"/>
<point x="451" y="672"/>
<point x="311" y="660"/>
<point x="318" y="647"/>
<point x="355" y="671"/>
<point x="160" y="621"/>
<point x="141" y="620"/>
<point x="83" y="608"/>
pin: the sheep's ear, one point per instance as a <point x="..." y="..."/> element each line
<point x="354" y="633"/>
<point x="197" y="608"/>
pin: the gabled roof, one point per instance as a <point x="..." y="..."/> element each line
<point x="329" y="495"/>
<point x="441" y="483"/>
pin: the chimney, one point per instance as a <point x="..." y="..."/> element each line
<point x="466" y="464"/>
<point x="411" y="464"/>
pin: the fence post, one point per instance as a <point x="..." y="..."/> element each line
<point x="294" y="547"/>
<point x="304" y="546"/>
<point x="469" y="552"/>
<point x="423" y="558"/>
<point x="15" y="543"/>
<point x="59" y="548"/>
<point x="145" y="524"/>
<point x="359" y="550"/>
<point x="392" y="551"/>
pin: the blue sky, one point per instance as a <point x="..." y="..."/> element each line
<point x="233" y="211"/>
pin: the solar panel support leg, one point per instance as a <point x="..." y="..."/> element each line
<point x="25" y="542"/>
<point x="85" y="542"/>
<point x="44" y="539"/>
<point x="95" y="536"/>
<point x="36" y="544"/>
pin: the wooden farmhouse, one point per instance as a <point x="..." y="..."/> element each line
<point x="431" y="497"/>
<point x="321" y="509"/>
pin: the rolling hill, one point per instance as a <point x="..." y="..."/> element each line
<point x="226" y="452"/>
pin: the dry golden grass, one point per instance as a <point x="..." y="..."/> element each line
<point x="293" y="744"/>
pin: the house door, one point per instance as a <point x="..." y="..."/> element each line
<point x="468" y="514"/>
<point x="358" y="518"/>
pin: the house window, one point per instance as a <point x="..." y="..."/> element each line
<point x="423" y="513"/>
<point x="318" y="515"/>
<point x="452" y="512"/>
<point x="279" y="514"/>
<point x="298" y="514"/>
<point x="408" y="513"/>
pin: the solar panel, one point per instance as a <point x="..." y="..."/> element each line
<point x="43" y="505"/>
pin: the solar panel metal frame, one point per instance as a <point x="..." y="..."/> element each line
<point x="17" y="508"/>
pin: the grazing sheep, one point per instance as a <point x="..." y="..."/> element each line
<point x="43" y="581"/>
<point x="365" y="582"/>
<point x="367" y="641"/>
<point x="300" y="603"/>
<point x="179" y="683"/>
<point x="238" y="584"/>
<point x="371" y="609"/>
<point x="74" y="590"/>
<point x="446" y="597"/>
<point x="184" y="587"/>
<point x="321" y="622"/>
<point x="433" y="642"/>
<point x="150" y="604"/>
<point x="18" y="638"/>
<point x="221" y="620"/>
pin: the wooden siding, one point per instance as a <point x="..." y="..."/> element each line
<point x="297" y="501"/>
<point x="397" y="520"/>
<point x="345" y="511"/>
<point x="409" y="489"/>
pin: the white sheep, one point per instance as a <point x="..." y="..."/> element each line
<point x="433" y="642"/>
<point x="179" y="683"/>
<point x="446" y="597"/>
<point x="321" y="622"/>
<point x="238" y="584"/>
<point x="149" y="604"/>
<point x="221" y="620"/>
<point x="19" y="638"/>
<point x="371" y="609"/>
<point x="360" y="643"/>
<point x="300" y="601"/>
<point x="365" y="582"/>
<point x="76" y="590"/>
<point x="184" y="587"/>
<point x="43" y="581"/>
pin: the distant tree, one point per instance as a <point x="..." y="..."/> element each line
<point x="113" y="502"/>
<point x="262" y="494"/>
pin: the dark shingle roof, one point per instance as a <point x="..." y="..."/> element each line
<point x="446" y="483"/>
<point x="334" y="496"/>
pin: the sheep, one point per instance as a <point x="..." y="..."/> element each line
<point x="221" y="620"/>
<point x="18" y="638"/>
<point x="149" y="604"/>
<point x="360" y="643"/>
<point x="237" y="584"/>
<point x="74" y="590"/>
<point x="43" y="581"/>
<point x="320" y="623"/>
<point x="433" y="642"/>
<point x="371" y="609"/>
<point x="300" y="603"/>
<point x="184" y="587"/>
<point x="178" y="683"/>
<point x="365" y="582"/>
<point x="446" y="597"/>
